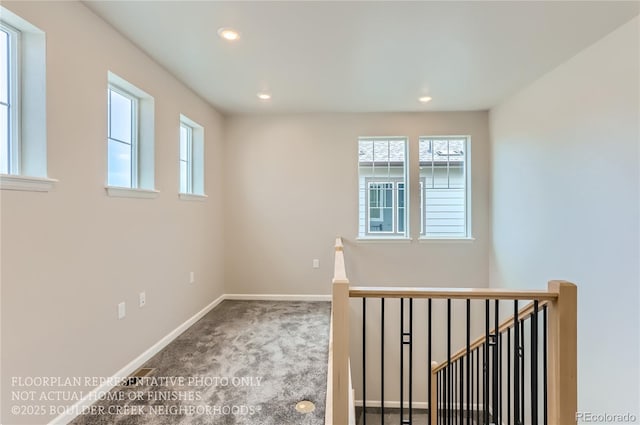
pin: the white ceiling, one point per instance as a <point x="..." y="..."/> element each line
<point x="362" y="56"/>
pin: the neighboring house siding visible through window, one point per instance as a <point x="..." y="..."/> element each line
<point x="382" y="195"/>
<point x="444" y="197"/>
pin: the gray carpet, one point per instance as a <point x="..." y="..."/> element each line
<point x="245" y="362"/>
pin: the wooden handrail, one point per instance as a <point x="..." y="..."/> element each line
<point x="339" y="271"/>
<point x="452" y="293"/>
<point x="340" y="339"/>
<point x="508" y="323"/>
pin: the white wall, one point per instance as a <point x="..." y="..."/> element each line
<point x="565" y="176"/>
<point x="71" y="255"/>
<point x="292" y="186"/>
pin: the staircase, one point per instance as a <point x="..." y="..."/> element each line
<point x="468" y="356"/>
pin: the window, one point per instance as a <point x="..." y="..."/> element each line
<point x="122" y="139"/>
<point x="382" y="175"/>
<point x="444" y="197"/>
<point x="186" y="158"/>
<point x="191" y="159"/>
<point x="23" y="136"/>
<point x="130" y="140"/>
<point x="9" y="140"/>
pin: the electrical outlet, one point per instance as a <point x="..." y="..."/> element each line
<point x="142" y="299"/>
<point x="192" y="277"/>
<point x="316" y="263"/>
<point x="122" y="310"/>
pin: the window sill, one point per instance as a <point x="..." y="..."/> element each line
<point x="128" y="192"/>
<point x="381" y="239"/>
<point x="192" y="197"/>
<point x="26" y="183"/>
<point x="446" y="240"/>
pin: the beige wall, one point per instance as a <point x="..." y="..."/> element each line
<point x="566" y="181"/>
<point x="71" y="255"/>
<point x="292" y="186"/>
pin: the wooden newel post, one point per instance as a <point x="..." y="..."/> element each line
<point x="433" y="402"/>
<point x="340" y="317"/>
<point x="563" y="352"/>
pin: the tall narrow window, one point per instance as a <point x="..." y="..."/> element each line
<point x="23" y="105"/>
<point x="191" y="159"/>
<point x="130" y="140"/>
<point x="186" y="158"/>
<point x="9" y="111"/>
<point x="382" y="194"/>
<point x="444" y="188"/>
<point x="122" y="139"/>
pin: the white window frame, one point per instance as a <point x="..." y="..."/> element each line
<point x="366" y="233"/>
<point x="196" y="171"/>
<point x="13" y="98"/>
<point x="27" y="160"/>
<point x="189" y="159"/>
<point x="369" y="219"/>
<point x="134" y="165"/>
<point x="467" y="192"/>
<point x="143" y="153"/>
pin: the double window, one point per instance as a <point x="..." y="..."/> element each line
<point x="443" y="185"/>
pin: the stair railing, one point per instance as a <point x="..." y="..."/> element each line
<point x="470" y="383"/>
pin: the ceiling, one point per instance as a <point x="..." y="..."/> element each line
<point x="361" y="56"/>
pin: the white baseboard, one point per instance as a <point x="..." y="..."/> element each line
<point x="127" y="370"/>
<point x="277" y="297"/>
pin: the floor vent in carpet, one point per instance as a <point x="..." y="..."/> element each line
<point x="137" y="376"/>
<point x="305" y="406"/>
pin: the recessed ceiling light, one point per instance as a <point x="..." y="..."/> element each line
<point x="424" y="99"/>
<point x="264" y="96"/>
<point x="229" y="34"/>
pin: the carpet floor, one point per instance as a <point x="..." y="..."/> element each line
<point x="245" y="362"/>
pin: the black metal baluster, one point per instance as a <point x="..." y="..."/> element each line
<point x="469" y="377"/>
<point x="410" y="361"/>
<point x="401" y="360"/>
<point x="544" y="362"/>
<point x="522" y="348"/>
<point x="534" y="364"/>
<point x="495" y="414"/>
<point x="432" y="409"/>
<point x="454" y="419"/>
<point x="461" y="397"/>
<point x="477" y="384"/>
<point x="471" y="387"/>
<point x="508" y="377"/>
<point x="382" y="362"/>
<point x="364" y="361"/>
<point x="485" y="378"/>
<point x="500" y="400"/>
<point x="449" y="392"/>
<point x="516" y="365"/>
<point x="440" y="395"/>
